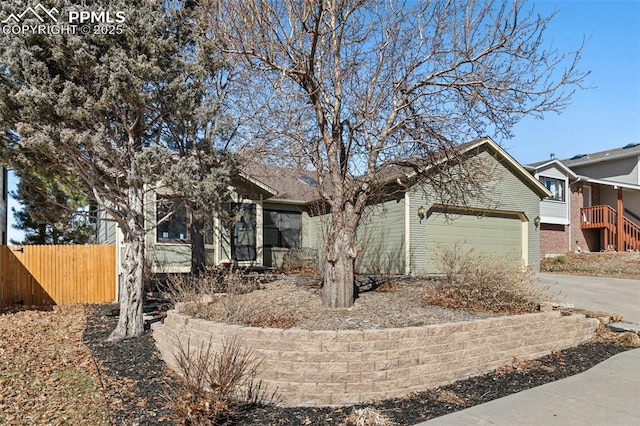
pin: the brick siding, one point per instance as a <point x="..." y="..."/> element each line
<point x="558" y="239"/>
<point x="584" y="239"/>
<point x="346" y="367"/>
<point x="554" y="239"/>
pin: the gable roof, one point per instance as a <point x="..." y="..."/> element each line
<point x="629" y="150"/>
<point x="295" y="185"/>
<point x="555" y="163"/>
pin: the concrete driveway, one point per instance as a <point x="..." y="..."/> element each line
<point x="614" y="295"/>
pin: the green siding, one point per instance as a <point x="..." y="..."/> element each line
<point x="381" y="239"/>
<point x="105" y="229"/>
<point x="312" y="237"/>
<point x="505" y="191"/>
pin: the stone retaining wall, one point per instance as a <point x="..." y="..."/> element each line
<point x="346" y="367"/>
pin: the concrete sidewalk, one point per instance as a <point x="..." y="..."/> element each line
<point x="607" y="394"/>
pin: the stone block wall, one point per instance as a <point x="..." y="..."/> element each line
<point x="346" y="367"/>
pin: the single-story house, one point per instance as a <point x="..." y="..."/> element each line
<point x="595" y="201"/>
<point x="401" y="233"/>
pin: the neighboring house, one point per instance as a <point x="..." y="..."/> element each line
<point x="402" y="233"/>
<point x="4" y="196"/>
<point x="595" y="201"/>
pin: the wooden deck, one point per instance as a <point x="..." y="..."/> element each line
<point x="605" y="217"/>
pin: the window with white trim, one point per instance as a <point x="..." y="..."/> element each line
<point x="555" y="186"/>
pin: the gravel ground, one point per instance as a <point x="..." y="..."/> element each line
<point x="284" y="303"/>
<point x="136" y="383"/>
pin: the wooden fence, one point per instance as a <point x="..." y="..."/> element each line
<point x="47" y="275"/>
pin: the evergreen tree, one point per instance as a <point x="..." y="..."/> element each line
<point x="97" y="106"/>
<point x="49" y="214"/>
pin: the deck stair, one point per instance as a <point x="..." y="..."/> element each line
<point x="605" y="217"/>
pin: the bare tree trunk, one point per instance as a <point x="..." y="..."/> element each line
<point x="130" y="322"/>
<point x="338" y="290"/>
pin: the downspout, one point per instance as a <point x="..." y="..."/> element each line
<point x="407" y="228"/>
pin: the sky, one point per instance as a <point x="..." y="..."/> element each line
<point x="608" y="114"/>
<point x="605" y="116"/>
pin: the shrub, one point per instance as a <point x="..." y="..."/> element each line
<point x="196" y="288"/>
<point x="480" y="281"/>
<point x="300" y="260"/>
<point x="215" y="385"/>
<point x="237" y="310"/>
<point x="219" y="297"/>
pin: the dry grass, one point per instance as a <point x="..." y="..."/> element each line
<point x="47" y="376"/>
<point x="450" y="397"/>
<point x="476" y="285"/>
<point x="181" y="288"/>
<point x="367" y="417"/>
<point x="607" y="264"/>
<point x="237" y="306"/>
<point x="479" y="281"/>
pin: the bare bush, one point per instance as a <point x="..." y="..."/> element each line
<point x="302" y="260"/>
<point x="234" y="309"/>
<point x="367" y="417"/>
<point x="196" y="288"/>
<point x="215" y="385"/>
<point x="479" y="281"/>
<point x="220" y="298"/>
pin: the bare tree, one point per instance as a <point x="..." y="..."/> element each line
<point x="359" y="86"/>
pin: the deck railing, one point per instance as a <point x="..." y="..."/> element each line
<point x="605" y="217"/>
<point x="598" y="217"/>
<point x="631" y="235"/>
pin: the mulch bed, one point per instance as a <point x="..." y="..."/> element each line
<point x="135" y="380"/>
<point x="136" y="383"/>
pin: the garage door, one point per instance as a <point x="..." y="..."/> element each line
<point x="501" y="234"/>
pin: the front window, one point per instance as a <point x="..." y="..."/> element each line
<point x="555" y="186"/>
<point x="243" y="243"/>
<point x="171" y="216"/>
<point x="282" y="229"/>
